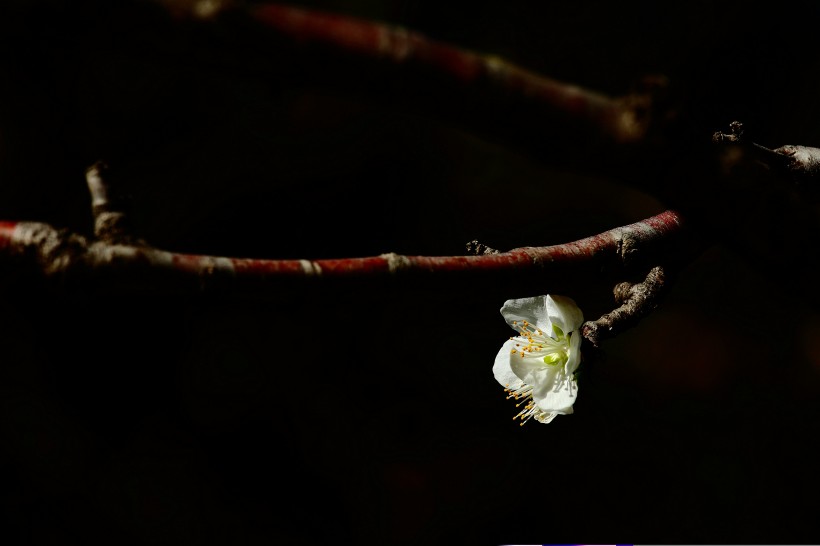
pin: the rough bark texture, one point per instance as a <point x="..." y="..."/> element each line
<point x="636" y="301"/>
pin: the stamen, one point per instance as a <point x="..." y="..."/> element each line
<point x="524" y="393"/>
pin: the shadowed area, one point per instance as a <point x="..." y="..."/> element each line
<point x="368" y="413"/>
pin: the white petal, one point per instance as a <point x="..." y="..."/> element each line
<point x="501" y="369"/>
<point x="564" y="312"/>
<point x="545" y="417"/>
<point x="559" y="400"/>
<point x="543" y="380"/>
<point x="574" y="352"/>
<point x="533" y="310"/>
<point x="532" y="370"/>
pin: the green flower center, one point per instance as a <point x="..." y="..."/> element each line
<point x="560" y="357"/>
<point x="555" y="359"/>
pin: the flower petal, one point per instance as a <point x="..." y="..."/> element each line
<point x="564" y="313"/>
<point x="543" y="381"/>
<point x="532" y="370"/>
<point x="559" y="399"/>
<point x="502" y="370"/>
<point x="533" y="310"/>
<point x="541" y="361"/>
<point x="574" y="353"/>
<point x="545" y="417"/>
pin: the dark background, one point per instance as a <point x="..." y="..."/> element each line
<point x="367" y="413"/>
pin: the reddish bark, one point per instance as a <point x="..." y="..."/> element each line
<point x="60" y="252"/>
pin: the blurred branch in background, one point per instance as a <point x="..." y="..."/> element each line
<point x="648" y="138"/>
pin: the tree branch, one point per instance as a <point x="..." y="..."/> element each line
<point x="614" y="118"/>
<point x="800" y="165"/>
<point x="636" y="301"/>
<point x="114" y="251"/>
<point x="484" y="92"/>
<point x="405" y="47"/>
<point x="58" y="251"/>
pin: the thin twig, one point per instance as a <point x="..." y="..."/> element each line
<point x="636" y="301"/>
<point x="767" y="156"/>
<point x="800" y="165"/>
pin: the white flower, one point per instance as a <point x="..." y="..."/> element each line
<point x="537" y="365"/>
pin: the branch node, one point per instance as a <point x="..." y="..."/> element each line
<point x="735" y="134"/>
<point x="477" y="249"/>
<point x="56" y="251"/>
<point x="781" y="158"/>
<point x="802" y="163"/>
<point x="110" y="221"/>
<point x="622" y="292"/>
<point x="628" y="248"/>
<point x="644" y="107"/>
